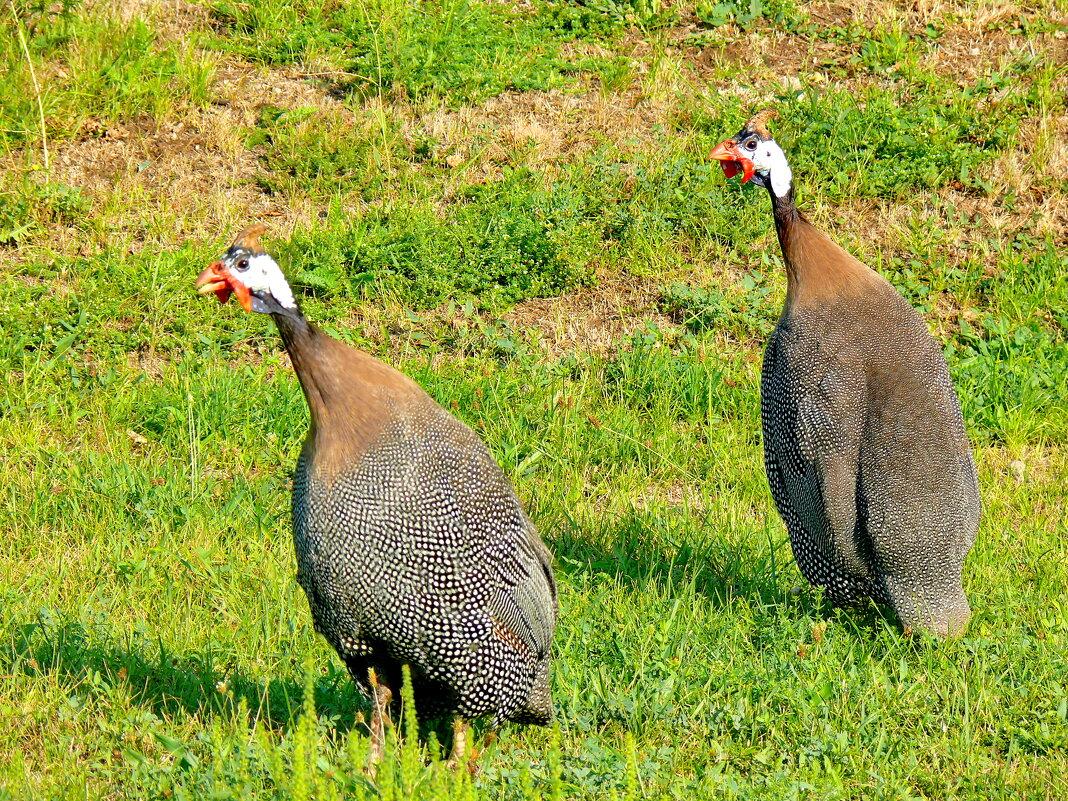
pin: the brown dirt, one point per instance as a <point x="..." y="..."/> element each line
<point x="172" y="19"/>
<point x="672" y="496"/>
<point x="977" y="43"/>
<point x="197" y="170"/>
<point x="549" y="128"/>
<point x="592" y="320"/>
<point x="194" y="177"/>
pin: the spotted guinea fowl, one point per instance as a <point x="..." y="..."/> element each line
<point x="865" y="449"/>
<point x="411" y="544"/>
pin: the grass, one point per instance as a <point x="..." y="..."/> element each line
<point x="95" y="68"/>
<point x="454" y="51"/>
<point x="542" y="244"/>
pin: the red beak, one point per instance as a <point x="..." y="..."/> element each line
<point x="732" y="161"/>
<point x="216" y="278"/>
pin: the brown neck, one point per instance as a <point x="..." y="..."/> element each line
<point x="351" y="395"/>
<point x="304" y="343"/>
<point x="816" y="268"/>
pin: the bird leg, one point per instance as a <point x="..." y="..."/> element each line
<point x="460" y="754"/>
<point x="459" y="744"/>
<point x="380" y="698"/>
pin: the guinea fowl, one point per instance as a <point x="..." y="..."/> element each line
<point x="411" y="544"/>
<point x="864" y="445"/>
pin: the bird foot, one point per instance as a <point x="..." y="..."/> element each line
<point x="460" y="755"/>
<point x="459" y="745"/>
<point x="381" y="695"/>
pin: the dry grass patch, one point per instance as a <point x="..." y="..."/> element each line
<point x="972" y="41"/>
<point x="592" y="320"/>
<point x="548" y="129"/>
<point x="189" y="179"/>
<point x="916" y="16"/>
<point x="174" y="19"/>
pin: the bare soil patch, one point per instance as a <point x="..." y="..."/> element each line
<point x="977" y="42"/>
<point x="549" y="128"/>
<point x="172" y="19"/>
<point x="195" y="173"/>
<point x="593" y="319"/>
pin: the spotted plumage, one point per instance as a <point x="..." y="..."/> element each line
<point x="411" y="544"/>
<point x="864" y="444"/>
<point x="419" y="553"/>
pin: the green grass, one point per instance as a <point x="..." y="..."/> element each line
<point x="507" y="241"/>
<point x="453" y="50"/>
<point x="92" y="67"/>
<point x="153" y="640"/>
<point x="714" y="13"/>
<point x="28" y="207"/>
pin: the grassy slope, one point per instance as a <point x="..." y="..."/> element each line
<point x="153" y="642"/>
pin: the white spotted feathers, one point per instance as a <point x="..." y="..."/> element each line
<point x="411" y="544"/>
<point x="864" y="444"/>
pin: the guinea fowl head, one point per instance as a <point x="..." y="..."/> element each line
<point x="753" y="153"/>
<point x="249" y="273"/>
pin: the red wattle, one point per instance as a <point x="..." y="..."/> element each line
<point x="244" y="297"/>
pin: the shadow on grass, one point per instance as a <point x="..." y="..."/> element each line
<point x="631" y="549"/>
<point x="193" y="683"/>
<point x="721" y="571"/>
<point x="172" y="683"/>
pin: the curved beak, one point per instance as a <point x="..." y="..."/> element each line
<point x="216" y="278"/>
<point x="732" y="160"/>
<point x="213" y="279"/>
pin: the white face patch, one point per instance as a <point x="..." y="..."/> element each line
<point x="768" y="157"/>
<point x="263" y="275"/>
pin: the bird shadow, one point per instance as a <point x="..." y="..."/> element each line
<point x="201" y="683"/>
<point x="635" y="548"/>
<point x="641" y="546"/>
<point x="631" y="549"/>
<point x="194" y="683"/>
